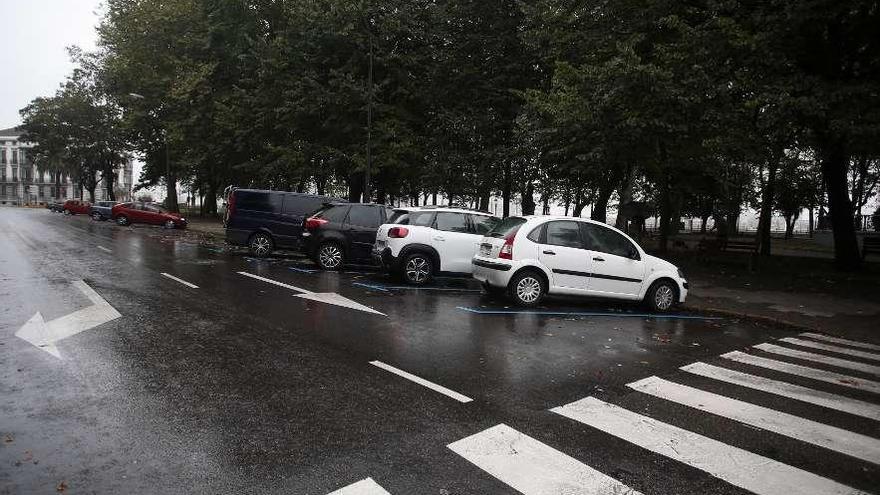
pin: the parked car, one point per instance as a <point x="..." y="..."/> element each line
<point x="55" y="206"/>
<point x="424" y="242"/>
<point x="341" y="233"/>
<point x="150" y="213"/>
<point x="269" y="220"/>
<point x="75" y="207"/>
<point x="530" y="257"/>
<point x="102" y="210"/>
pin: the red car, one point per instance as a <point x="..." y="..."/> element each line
<point x="75" y="206"/>
<point x="128" y="213"/>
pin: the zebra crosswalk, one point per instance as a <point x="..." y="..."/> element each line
<point x="822" y="380"/>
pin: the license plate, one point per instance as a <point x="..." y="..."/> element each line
<point x="485" y="250"/>
<point x="380" y="245"/>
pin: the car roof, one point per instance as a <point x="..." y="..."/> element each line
<point x="331" y="199"/>
<point x="453" y="209"/>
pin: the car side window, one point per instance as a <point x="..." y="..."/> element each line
<point x="535" y="234"/>
<point x="365" y="216"/>
<point x="452" y="222"/>
<point x="564" y="233"/>
<point x="420" y="218"/>
<point x="334" y="214"/>
<point x="298" y="206"/>
<point x="254" y="201"/>
<point x="483" y="224"/>
<point x="605" y="240"/>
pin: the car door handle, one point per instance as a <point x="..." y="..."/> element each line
<point x="598" y="259"/>
<point x="549" y="252"/>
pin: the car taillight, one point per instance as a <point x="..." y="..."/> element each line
<point x="506" y="252"/>
<point x="314" y="223"/>
<point x="398" y="232"/>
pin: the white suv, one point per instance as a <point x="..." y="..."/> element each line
<point x="529" y="257"/>
<point x="422" y="242"/>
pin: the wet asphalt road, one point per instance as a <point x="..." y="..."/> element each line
<point x="240" y="386"/>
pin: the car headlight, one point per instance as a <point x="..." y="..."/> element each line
<point x="680" y="273"/>
<point x="183" y="220"/>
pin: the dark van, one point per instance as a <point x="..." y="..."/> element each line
<point x="268" y="220"/>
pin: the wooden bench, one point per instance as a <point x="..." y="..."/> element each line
<point x="749" y="247"/>
<point x="870" y="245"/>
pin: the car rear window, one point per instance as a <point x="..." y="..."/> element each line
<point x="399" y="217"/>
<point x="333" y="213"/>
<point x="507" y="226"/>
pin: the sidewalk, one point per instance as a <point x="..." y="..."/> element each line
<point x="845" y="317"/>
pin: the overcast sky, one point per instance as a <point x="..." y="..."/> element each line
<point x="33" y="53"/>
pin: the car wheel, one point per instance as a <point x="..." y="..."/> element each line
<point x="96" y="217"/>
<point x="169" y="224"/>
<point x="67" y="212"/>
<point x="122" y="220"/>
<point x="662" y="296"/>
<point x="260" y="245"/>
<point x="418" y="268"/>
<point x="526" y="289"/>
<point x="330" y="256"/>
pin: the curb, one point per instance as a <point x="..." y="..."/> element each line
<point x="768" y="320"/>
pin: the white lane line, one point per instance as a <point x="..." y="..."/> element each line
<point x="365" y="486"/>
<point x="421" y="381"/>
<point x="275" y="282"/>
<point x="102" y="248"/>
<point x="804" y="371"/>
<point x="531" y="467"/>
<point x="831" y="348"/>
<point x="184" y="282"/>
<point x="838" y="340"/>
<point x="830" y="437"/>
<point x="736" y="466"/>
<point x="819" y="358"/>
<point x="818" y="397"/>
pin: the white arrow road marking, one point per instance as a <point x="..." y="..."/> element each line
<point x="324" y="297"/>
<point x="44" y="334"/>
<point x="365" y="486"/>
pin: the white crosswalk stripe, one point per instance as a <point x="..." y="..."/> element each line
<point x="831" y="348"/>
<point x="838" y="340"/>
<point x="819" y="358"/>
<point x="736" y="466"/>
<point x="804" y="371"/>
<point x="830" y="437"/>
<point x="365" y="486"/>
<point x="532" y="467"/>
<point x="804" y="394"/>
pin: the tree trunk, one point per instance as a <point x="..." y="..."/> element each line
<point x="210" y="201"/>
<point x="789" y="227"/>
<point x="505" y="190"/>
<point x="665" y="215"/>
<point x="625" y="196"/>
<point x="767" y="207"/>
<point x="109" y="181"/>
<point x="812" y="224"/>
<point x="834" y="169"/>
<point x="704" y="220"/>
<point x="528" y="199"/>
<point x="171" y="193"/>
<point x="600" y="207"/>
<point x="355" y="187"/>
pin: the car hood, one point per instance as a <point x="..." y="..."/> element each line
<point x="656" y="263"/>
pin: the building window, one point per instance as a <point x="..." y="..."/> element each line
<point x="15" y="157"/>
<point x="3" y="190"/>
<point x="14" y="174"/>
<point x="3" y="156"/>
<point x="52" y="191"/>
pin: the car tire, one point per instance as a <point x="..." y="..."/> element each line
<point x="97" y="217"/>
<point x="261" y="245"/>
<point x="662" y="296"/>
<point x="122" y="220"/>
<point x="417" y="269"/>
<point x="527" y="289"/>
<point x="330" y="256"/>
<point x="67" y="212"/>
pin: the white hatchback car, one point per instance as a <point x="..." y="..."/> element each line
<point x="529" y="257"/>
<point x="419" y="243"/>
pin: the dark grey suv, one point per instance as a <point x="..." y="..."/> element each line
<point x="268" y="220"/>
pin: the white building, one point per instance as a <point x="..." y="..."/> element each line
<point x="21" y="183"/>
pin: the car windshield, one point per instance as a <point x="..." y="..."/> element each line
<point x="506" y="226"/>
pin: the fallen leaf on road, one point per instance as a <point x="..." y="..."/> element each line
<point x="61" y="487"/>
<point x="8" y="438"/>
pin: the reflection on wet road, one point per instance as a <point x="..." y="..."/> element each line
<point x="227" y="373"/>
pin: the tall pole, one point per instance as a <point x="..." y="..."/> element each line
<point x="366" y="195"/>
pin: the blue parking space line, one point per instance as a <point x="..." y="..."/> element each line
<point x="389" y="288"/>
<point x="370" y="286"/>
<point x="301" y="270"/>
<point x="585" y="313"/>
